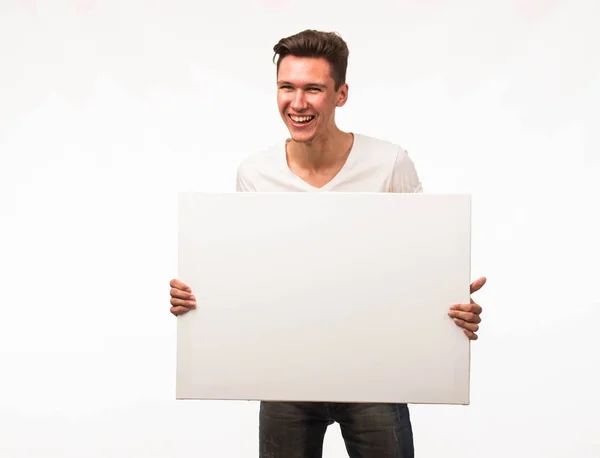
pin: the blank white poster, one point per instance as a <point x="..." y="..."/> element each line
<point x="339" y="297"/>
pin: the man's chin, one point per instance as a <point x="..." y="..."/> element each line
<point x="301" y="137"/>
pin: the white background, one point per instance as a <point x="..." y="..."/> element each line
<point x="108" y="109"/>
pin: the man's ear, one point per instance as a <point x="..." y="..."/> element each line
<point x="342" y="97"/>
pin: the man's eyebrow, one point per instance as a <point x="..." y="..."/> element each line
<point x="283" y="82"/>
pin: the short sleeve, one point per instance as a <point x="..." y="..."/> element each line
<point x="404" y="176"/>
<point x="242" y="182"/>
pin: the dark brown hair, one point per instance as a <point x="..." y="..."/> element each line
<point x="313" y="43"/>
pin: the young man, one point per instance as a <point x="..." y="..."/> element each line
<point x="319" y="157"/>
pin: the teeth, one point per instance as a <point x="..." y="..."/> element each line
<point x="301" y="118"/>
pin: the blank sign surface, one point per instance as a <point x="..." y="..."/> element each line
<point x="339" y="297"/>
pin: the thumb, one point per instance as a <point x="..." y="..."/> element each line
<point x="478" y="284"/>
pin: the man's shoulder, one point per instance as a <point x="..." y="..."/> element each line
<point x="260" y="165"/>
<point x="376" y="148"/>
<point x="376" y="142"/>
<point x="258" y="159"/>
<point x="394" y="160"/>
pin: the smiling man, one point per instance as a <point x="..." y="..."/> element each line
<point x="319" y="157"/>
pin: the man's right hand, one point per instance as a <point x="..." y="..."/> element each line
<point x="182" y="299"/>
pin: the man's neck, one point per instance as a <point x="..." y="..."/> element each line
<point x="322" y="152"/>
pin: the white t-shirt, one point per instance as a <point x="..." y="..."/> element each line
<point x="373" y="165"/>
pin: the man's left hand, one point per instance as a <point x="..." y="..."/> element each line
<point x="467" y="316"/>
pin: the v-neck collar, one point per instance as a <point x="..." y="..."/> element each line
<point x="338" y="176"/>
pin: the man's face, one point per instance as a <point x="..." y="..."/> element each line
<point x="307" y="98"/>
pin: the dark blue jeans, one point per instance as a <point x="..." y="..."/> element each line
<point x="297" y="429"/>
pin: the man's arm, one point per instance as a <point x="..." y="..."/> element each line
<point x="404" y="176"/>
<point x="406" y="179"/>
<point x="242" y="181"/>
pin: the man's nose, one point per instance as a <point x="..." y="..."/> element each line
<point x="299" y="101"/>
